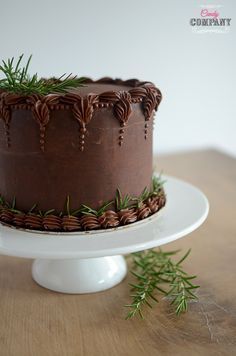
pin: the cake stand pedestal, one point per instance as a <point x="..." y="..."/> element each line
<point x="79" y="275"/>
<point x="88" y="262"/>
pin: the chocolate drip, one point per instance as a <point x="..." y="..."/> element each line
<point x="109" y="219"/>
<point x="122" y="111"/>
<point x="42" y="112"/>
<point x="122" y="108"/>
<point x="52" y="222"/>
<point x="71" y="223"/>
<point x="6" y="101"/>
<point x="83" y="112"/>
<point x="90" y="222"/>
<point x="127" y="216"/>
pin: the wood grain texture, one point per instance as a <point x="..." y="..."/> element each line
<point x="35" y="321"/>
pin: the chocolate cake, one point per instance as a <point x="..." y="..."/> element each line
<point x="81" y="159"/>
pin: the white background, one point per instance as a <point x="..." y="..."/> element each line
<point x="150" y="40"/>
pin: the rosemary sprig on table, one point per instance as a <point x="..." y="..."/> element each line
<point x="154" y="271"/>
<point x="16" y="79"/>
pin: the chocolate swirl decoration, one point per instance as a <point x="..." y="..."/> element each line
<point x="157" y="202"/>
<point x="6" y="101"/>
<point x="109" y="219"/>
<point x="137" y="94"/>
<point x="127" y="216"/>
<point x="42" y="113"/>
<point x="19" y="220"/>
<point x="122" y="111"/>
<point x="143" y="211"/>
<point x="153" y="205"/>
<point x="83" y="111"/>
<point x="90" y="222"/>
<point x="5" y="115"/>
<point x="6" y="215"/>
<point x="150" y="103"/>
<point x="109" y="97"/>
<point x="71" y="223"/>
<point x="52" y="222"/>
<point x="161" y="199"/>
<point x="14" y="99"/>
<point x="33" y="221"/>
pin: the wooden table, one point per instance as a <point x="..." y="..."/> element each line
<point x="35" y="321"/>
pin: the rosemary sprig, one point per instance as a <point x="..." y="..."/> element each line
<point x="153" y="270"/>
<point x="46" y="213"/>
<point x="157" y="184"/>
<point x="122" y="202"/>
<point x="17" y="79"/>
<point x="89" y="211"/>
<point x="68" y="210"/>
<point x="143" y="196"/>
<point x="32" y="209"/>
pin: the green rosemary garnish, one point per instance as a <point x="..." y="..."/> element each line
<point x="144" y="196"/>
<point x="157" y="184"/>
<point x="44" y="214"/>
<point x="153" y="270"/>
<point x="89" y="211"/>
<point x="122" y="202"/>
<point x="17" y="79"/>
<point x="32" y="209"/>
<point x="69" y="213"/>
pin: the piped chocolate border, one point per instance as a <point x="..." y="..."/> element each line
<point x="83" y="107"/>
<point x="82" y="222"/>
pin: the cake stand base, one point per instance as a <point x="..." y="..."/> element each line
<point x="78" y="276"/>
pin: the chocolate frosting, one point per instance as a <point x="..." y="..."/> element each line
<point x="84" y="144"/>
<point x="83" y="221"/>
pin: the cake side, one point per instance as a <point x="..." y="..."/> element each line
<point x="84" y="144"/>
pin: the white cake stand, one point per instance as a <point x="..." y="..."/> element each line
<point x="87" y="262"/>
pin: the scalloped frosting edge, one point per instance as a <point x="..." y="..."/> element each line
<point x="83" y="107"/>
